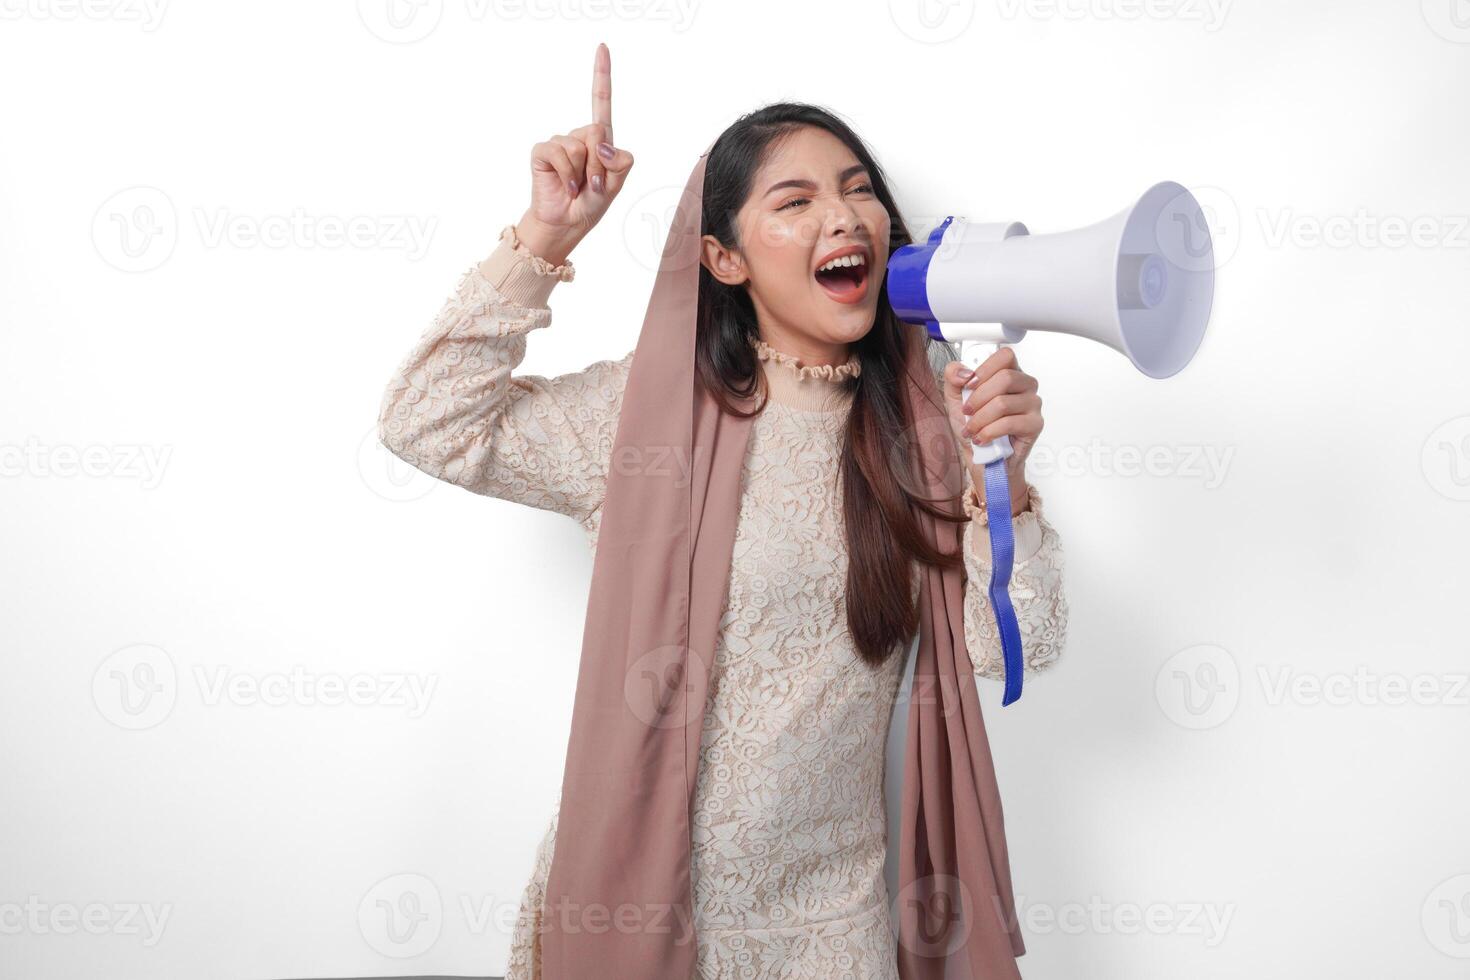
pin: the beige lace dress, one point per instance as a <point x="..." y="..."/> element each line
<point x="790" y="825"/>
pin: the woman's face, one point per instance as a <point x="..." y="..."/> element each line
<point x="811" y="201"/>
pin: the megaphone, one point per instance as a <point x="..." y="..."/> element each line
<point x="1141" y="282"/>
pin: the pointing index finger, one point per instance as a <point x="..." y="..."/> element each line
<point x="602" y="89"/>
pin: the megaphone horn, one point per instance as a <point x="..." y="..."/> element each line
<point x="1141" y="281"/>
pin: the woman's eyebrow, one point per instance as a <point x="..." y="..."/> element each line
<point x="808" y="185"/>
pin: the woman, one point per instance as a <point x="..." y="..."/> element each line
<point x="789" y="824"/>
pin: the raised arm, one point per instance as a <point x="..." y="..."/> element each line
<point x="456" y="409"/>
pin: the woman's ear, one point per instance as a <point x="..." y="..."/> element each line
<point x="724" y="264"/>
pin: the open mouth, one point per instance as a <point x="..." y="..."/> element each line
<point x="845" y="279"/>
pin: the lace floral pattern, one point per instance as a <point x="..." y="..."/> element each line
<point x="789" y="822"/>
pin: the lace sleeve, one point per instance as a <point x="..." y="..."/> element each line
<point x="1036" y="589"/>
<point x="456" y="410"/>
<point x="1036" y="576"/>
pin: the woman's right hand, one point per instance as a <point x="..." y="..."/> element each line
<point x="575" y="177"/>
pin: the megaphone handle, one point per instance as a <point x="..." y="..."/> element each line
<point x="973" y="353"/>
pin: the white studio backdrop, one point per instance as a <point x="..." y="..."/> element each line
<point x="273" y="705"/>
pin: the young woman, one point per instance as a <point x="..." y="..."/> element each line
<point x="789" y="824"/>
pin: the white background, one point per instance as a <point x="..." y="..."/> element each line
<point x="1223" y="778"/>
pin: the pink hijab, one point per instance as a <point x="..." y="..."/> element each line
<point x="619" y="898"/>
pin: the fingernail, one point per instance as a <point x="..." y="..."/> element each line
<point x="572" y="184"/>
<point x="964" y="373"/>
<point x="597" y="183"/>
<point x="605" y="150"/>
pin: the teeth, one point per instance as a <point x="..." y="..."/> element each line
<point x="845" y="260"/>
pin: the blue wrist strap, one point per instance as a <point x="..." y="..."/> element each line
<point x="1002" y="555"/>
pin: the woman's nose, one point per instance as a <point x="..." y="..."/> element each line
<point x="843" y="217"/>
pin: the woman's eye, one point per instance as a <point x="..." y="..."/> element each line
<point x="864" y="188"/>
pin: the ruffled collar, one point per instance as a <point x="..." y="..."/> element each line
<point x="826" y="372"/>
<point x="806" y="387"/>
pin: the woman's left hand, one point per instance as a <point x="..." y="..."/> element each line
<point x="1001" y="401"/>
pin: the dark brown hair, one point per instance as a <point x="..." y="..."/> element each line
<point x="881" y="498"/>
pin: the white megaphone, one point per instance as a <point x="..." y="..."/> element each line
<point x="1141" y="282"/>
